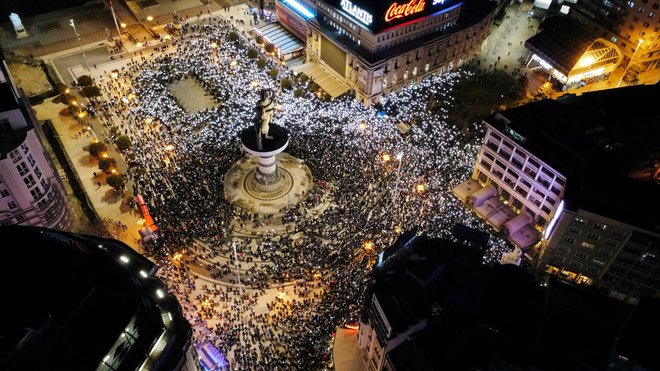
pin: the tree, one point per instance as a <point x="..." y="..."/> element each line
<point x="327" y="98"/>
<point x="252" y="53"/>
<point x="85" y="80"/>
<point x="95" y="149"/>
<point x="74" y="110"/>
<point x="115" y="180"/>
<point x="273" y="72"/>
<point x="67" y="98"/>
<point x="269" y="47"/>
<point x="286" y="84"/>
<point x="232" y="36"/>
<point x="302" y="77"/>
<point x="259" y="39"/>
<point x="261" y="63"/>
<point x="107" y="163"/>
<point x="313" y="87"/>
<point x="62" y="88"/>
<point x="123" y="142"/>
<point x="91" y="91"/>
<point x="298" y="93"/>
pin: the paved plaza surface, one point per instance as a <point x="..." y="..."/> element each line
<point x="191" y="95"/>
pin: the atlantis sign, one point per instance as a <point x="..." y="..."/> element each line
<point x="357" y="12"/>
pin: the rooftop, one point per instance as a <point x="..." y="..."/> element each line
<point x="561" y="42"/>
<point x="74" y="300"/>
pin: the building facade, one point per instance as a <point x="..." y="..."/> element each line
<point x="378" y="47"/>
<point x="30" y="191"/>
<point x="584" y="172"/>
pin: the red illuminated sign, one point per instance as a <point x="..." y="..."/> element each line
<point x="396" y="10"/>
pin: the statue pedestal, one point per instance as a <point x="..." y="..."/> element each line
<point x="267" y="178"/>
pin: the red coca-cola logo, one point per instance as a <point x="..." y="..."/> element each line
<point x="397" y="10"/>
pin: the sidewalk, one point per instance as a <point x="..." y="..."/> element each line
<point x="106" y="203"/>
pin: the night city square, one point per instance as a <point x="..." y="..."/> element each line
<point x="319" y="185"/>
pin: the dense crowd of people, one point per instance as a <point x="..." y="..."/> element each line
<point x="378" y="171"/>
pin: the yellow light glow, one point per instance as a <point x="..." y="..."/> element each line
<point x="362" y="126"/>
<point x="148" y="120"/>
<point x="141" y="222"/>
<point x="114" y="171"/>
<point x="254" y="83"/>
<point x="586" y="60"/>
<point x="169" y="147"/>
<point x="74" y="103"/>
<point x="421" y="188"/>
<point x="397" y="229"/>
<point x="214" y="45"/>
<point x="104" y="155"/>
<point x="139" y="45"/>
<point x="281" y="294"/>
<point x="368" y="245"/>
<point x="233" y="63"/>
<point x="82" y="114"/>
<point x="386" y="157"/>
<point x="177" y="256"/>
<point x="150" y="18"/>
<point x="67" y="91"/>
<point x="123" y="25"/>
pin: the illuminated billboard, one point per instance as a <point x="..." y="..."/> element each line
<point x="378" y="16"/>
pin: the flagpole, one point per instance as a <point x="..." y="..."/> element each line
<point x="112" y="10"/>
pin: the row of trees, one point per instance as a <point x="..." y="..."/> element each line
<point x="107" y="164"/>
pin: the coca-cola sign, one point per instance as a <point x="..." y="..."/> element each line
<point x="396" y="10"/>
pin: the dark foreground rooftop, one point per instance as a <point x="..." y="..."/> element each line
<point x="73" y="302"/>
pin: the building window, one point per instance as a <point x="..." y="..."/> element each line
<point x="575" y="230"/>
<point x="593" y="270"/>
<point x="612" y="243"/>
<point x="37" y="172"/>
<point x="593" y="236"/>
<point x="31" y="160"/>
<point x="599" y="261"/>
<point x="35" y="192"/>
<point x="564" y="248"/>
<point x="581" y="255"/>
<point x="575" y="264"/>
<point x="600" y="226"/>
<point x="11" y="205"/>
<point x="605" y="252"/>
<point x="587" y="245"/>
<point x="618" y="232"/>
<point x="29" y="181"/>
<point x="558" y="258"/>
<point x="22" y="168"/>
<point x="15" y="156"/>
<point x="568" y="239"/>
<point x="20" y="218"/>
<point x="4" y="193"/>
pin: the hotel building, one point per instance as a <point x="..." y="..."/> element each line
<point x="30" y="191"/>
<point x="373" y="48"/>
<point x="575" y="184"/>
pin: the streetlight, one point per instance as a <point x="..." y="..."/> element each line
<point x="240" y="290"/>
<point x="639" y="42"/>
<point x="399" y="157"/>
<point x="79" y="44"/>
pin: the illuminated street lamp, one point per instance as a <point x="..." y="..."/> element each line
<point x="639" y="42"/>
<point x="150" y="18"/>
<point x="386" y="157"/>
